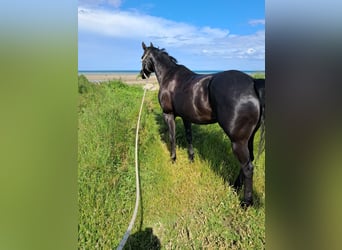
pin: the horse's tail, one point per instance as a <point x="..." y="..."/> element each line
<point x="259" y="85"/>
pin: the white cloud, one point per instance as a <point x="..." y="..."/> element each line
<point x="135" y="25"/>
<point x="210" y="42"/>
<point x="115" y="3"/>
<point x="250" y="51"/>
<point x="256" y="22"/>
<point x="236" y="46"/>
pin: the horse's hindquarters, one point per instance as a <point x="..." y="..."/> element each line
<point x="235" y="103"/>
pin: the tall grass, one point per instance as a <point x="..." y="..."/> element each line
<point x="184" y="205"/>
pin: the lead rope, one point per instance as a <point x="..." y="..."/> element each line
<point x="130" y="226"/>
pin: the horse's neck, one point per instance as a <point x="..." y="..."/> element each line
<point x="167" y="71"/>
<point x="163" y="67"/>
<point x="163" y="70"/>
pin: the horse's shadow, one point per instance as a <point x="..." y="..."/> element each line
<point x="211" y="146"/>
<point x="143" y="240"/>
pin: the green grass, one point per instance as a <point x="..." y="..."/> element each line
<point x="184" y="205"/>
<point x="258" y="75"/>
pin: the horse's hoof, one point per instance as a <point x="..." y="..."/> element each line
<point x="237" y="186"/>
<point x="173" y="160"/>
<point x="246" y="203"/>
<point x="191" y="158"/>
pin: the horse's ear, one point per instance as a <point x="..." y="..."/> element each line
<point x="144" y="46"/>
<point x="151" y="45"/>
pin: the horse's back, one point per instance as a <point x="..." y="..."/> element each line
<point x="234" y="81"/>
<point x="229" y="86"/>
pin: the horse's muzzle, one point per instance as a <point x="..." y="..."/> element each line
<point x="144" y="74"/>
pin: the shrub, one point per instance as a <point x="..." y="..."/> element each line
<point x="84" y="86"/>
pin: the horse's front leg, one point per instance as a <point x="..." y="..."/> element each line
<point x="188" y="134"/>
<point x="170" y="121"/>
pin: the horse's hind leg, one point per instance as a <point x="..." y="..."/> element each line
<point x="241" y="151"/>
<point x="241" y="133"/>
<point x="251" y="146"/>
<point x="251" y="142"/>
<point x="188" y="134"/>
<point x="240" y="179"/>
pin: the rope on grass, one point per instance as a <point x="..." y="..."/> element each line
<point x="134" y="216"/>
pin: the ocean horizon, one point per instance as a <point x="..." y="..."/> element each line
<point x="138" y="71"/>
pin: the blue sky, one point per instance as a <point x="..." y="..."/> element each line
<point x="202" y="35"/>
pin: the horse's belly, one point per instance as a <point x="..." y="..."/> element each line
<point x="199" y="113"/>
<point x="206" y="120"/>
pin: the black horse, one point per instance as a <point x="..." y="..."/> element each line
<point x="232" y="98"/>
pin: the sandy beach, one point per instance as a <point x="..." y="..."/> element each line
<point x="128" y="78"/>
<point x="124" y="77"/>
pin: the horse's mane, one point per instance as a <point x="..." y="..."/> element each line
<point x="163" y="52"/>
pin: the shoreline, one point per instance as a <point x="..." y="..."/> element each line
<point x="129" y="78"/>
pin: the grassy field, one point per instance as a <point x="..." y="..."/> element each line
<point x="184" y="205"/>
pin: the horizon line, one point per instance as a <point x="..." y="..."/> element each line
<point x="137" y="70"/>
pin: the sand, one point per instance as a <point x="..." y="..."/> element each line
<point x="126" y="78"/>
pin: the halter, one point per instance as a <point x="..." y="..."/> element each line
<point x="143" y="59"/>
<point x="146" y="69"/>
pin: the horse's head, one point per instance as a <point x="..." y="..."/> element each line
<point x="146" y="61"/>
